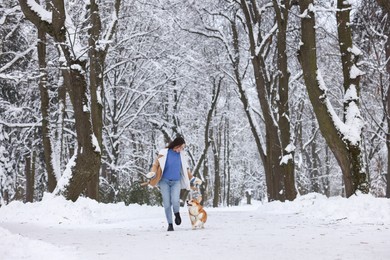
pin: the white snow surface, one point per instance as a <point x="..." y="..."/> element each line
<point x="311" y="227"/>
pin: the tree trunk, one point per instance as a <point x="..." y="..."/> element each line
<point x="245" y="102"/>
<point x="45" y="101"/>
<point x="388" y="163"/>
<point x="216" y="147"/>
<point x="283" y="103"/>
<point x="225" y="156"/>
<point x="347" y="153"/>
<point x="326" y="181"/>
<point x="87" y="163"/>
<point x="96" y="62"/>
<point x="314" y="173"/>
<point x="204" y="188"/>
<point x="388" y="108"/>
<point x="227" y="147"/>
<point x="349" y="58"/>
<point x="274" y="171"/>
<point x="298" y="133"/>
<point x="385" y="4"/>
<point x="248" y="196"/>
<point x="29" y="178"/>
<point x="59" y="132"/>
<point x="86" y="101"/>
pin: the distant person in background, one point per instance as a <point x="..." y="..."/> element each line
<point x="171" y="173"/>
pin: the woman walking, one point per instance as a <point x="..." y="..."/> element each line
<point x="171" y="173"/>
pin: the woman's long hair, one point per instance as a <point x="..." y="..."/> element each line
<point x="178" y="141"/>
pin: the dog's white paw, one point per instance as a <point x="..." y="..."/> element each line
<point x="198" y="181"/>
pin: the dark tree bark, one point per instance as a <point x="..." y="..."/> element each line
<point x="226" y="184"/>
<point x="283" y="103"/>
<point x="227" y="161"/>
<point x="272" y="154"/>
<point x="235" y="59"/>
<point x="216" y="147"/>
<point x="204" y="188"/>
<point x="325" y="181"/>
<point x="97" y="57"/>
<point x="86" y="163"/>
<point x="88" y="154"/>
<point x="385" y="4"/>
<point x="45" y="101"/>
<point x="87" y="122"/>
<point x="30" y="177"/>
<point x="314" y="169"/>
<point x="349" y="58"/>
<point x="347" y="153"/>
<point x="280" y="178"/>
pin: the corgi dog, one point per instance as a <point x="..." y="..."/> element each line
<point x="198" y="215"/>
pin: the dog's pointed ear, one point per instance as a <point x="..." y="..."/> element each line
<point x="200" y="199"/>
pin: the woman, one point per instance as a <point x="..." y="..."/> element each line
<point x="171" y="173"/>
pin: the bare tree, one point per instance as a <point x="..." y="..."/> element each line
<point x="386" y="7"/>
<point x="85" y="164"/>
<point x="342" y="136"/>
<point x="45" y="101"/>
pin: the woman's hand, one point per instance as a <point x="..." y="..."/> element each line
<point x="150" y="175"/>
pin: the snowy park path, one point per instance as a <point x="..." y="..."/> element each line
<point x="247" y="232"/>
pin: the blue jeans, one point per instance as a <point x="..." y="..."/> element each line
<point x="170" y="191"/>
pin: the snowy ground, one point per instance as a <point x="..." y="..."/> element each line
<point x="312" y="227"/>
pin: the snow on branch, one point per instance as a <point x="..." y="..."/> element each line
<point x="215" y="34"/>
<point x="95" y="143"/>
<point x="290" y="148"/>
<point x="7" y="12"/>
<point x="355" y="51"/>
<point x="352" y="128"/>
<point x="63" y="182"/>
<point x="312" y="138"/>
<point x="266" y="38"/>
<point x="355" y="72"/>
<point x="286" y="158"/>
<point x="110" y="32"/>
<point x="353" y="119"/>
<point x="16" y="58"/>
<point x="205" y="34"/>
<point x="20" y="125"/>
<point x="14" y="77"/>
<point x="317" y="9"/>
<point x="73" y="40"/>
<point x="40" y="11"/>
<point x="305" y="13"/>
<point x="131" y="118"/>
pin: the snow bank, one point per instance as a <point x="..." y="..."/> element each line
<point x="361" y="209"/>
<point x="18" y="247"/>
<point x="58" y="210"/>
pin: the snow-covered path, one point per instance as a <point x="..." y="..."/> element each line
<point x="305" y="229"/>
